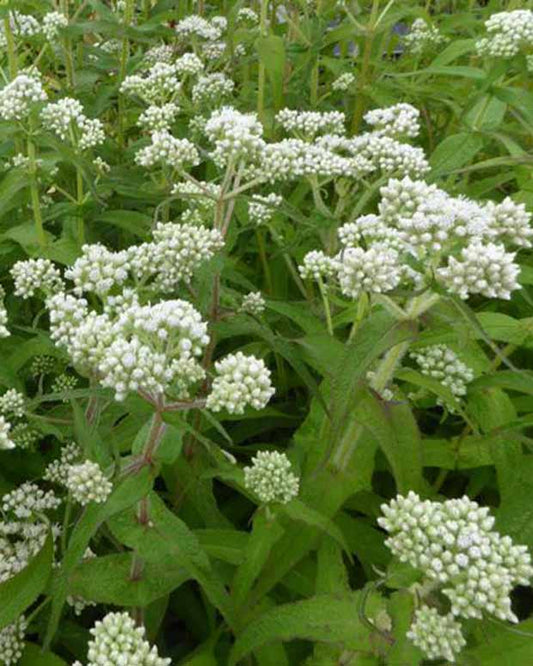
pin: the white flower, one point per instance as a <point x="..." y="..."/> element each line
<point x="423" y="37"/>
<point x="438" y="636"/>
<point x="309" y="124"/>
<point x="189" y="64"/>
<point x="247" y="16"/>
<point x="19" y="96"/>
<point x="270" y="477"/>
<point x="197" y="26"/>
<point x="261" y="209"/>
<point x="12" y="642"/>
<point x="32" y="275"/>
<point x="98" y="270"/>
<point x="443" y="364"/>
<point x="23" y="26"/>
<point x="390" y="155"/>
<point x="237" y="136"/>
<point x="454" y="545"/>
<point x="253" y="303"/>
<point x="212" y="89"/>
<point x="13" y="402"/>
<point x="376" y="270"/>
<point x="176" y="253"/>
<point x="509" y="33"/>
<point x="344" y="82"/>
<point x="52" y="24"/>
<point x="482" y="269"/>
<point x="158" y="86"/>
<point x="395" y="121"/>
<point x="66" y="119"/>
<point x="510" y="222"/>
<point x="316" y="265"/>
<point x="6" y="442"/>
<point x="116" y="640"/>
<point x="241" y="381"/>
<point x="57" y="470"/>
<point x="66" y="314"/>
<point x="162" y="53"/>
<point x="167" y="151"/>
<point x="213" y="50"/>
<point x="87" y="483"/>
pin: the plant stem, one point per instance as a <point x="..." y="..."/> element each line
<point x="11" y="49"/>
<point x="364" y="79"/>
<point x="128" y="17"/>
<point x="34" y="193"/>
<point x="325" y="300"/>
<point x="261" y="78"/>
<point x="157" y="430"/>
<point x="79" y="193"/>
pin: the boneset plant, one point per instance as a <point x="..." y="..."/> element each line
<point x="258" y="268"/>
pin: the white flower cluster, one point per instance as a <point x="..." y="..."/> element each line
<point x="420" y="221"/>
<point x="344" y="82"/>
<point x="236" y="136"/>
<point x="167" y="151"/>
<point x="198" y="27"/>
<point x="23" y="26"/>
<point x="213" y="50"/>
<point x="57" y="471"/>
<point x="509" y="33"/>
<point x="454" y="545"/>
<point x="253" y="303"/>
<point x="98" y="270"/>
<point x="12" y="642"/>
<point x="161" y="53"/>
<point x="154" y="346"/>
<point x="262" y="208"/>
<point x="376" y="270"/>
<point x="64" y="384"/>
<point x="12" y="402"/>
<point x="117" y="641"/>
<point x="6" y="442"/>
<point x="19" y="96"/>
<point x="23" y="436"/>
<point x="247" y="16"/>
<point x="87" y="483"/>
<point x="67" y="120"/>
<point x="438" y="636"/>
<point x="443" y="364"/>
<point x="390" y="155"/>
<point x="309" y="124"/>
<point x="212" y="89"/>
<point x="241" y="381"/>
<point x="295" y="158"/>
<point x="189" y="64"/>
<point x="318" y="266"/>
<point x="53" y="22"/>
<point x="33" y="275"/>
<point x="158" y="86"/>
<point x="423" y="37"/>
<point x="395" y="121"/>
<point x="22" y="530"/>
<point x="175" y="254"/>
<point x="270" y="478"/>
<point x="481" y="269"/>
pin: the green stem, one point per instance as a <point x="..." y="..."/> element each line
<point x="261" y="78"/>
<point x="264" y="260"/>
<point x="325" y="300"/>
<point x="11" y="49"/>
<point x="79" y="193"/>
<point x="128" y="18"/>
<point x="67" y="48"/>
<point x="34" y="193"/>
<point x="364" y="79"/>
<point x="66" y="521"/>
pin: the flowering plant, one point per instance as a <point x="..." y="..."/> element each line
<point x="265" y="333"/>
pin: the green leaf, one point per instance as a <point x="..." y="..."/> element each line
<point x="393" y="426"/>
<point x="127" y="493"/>
<point x="34" y="656"/>
<point x="502" y="645"/>
<point x="168" y="536"/>
<point x="107" y="580"/>
<point x="454" y="152"/>
<point x="299" y="511"/>
<point x="21" y="590"/>
<point x="321" y="618"/>
<point x="271" y="51"/>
